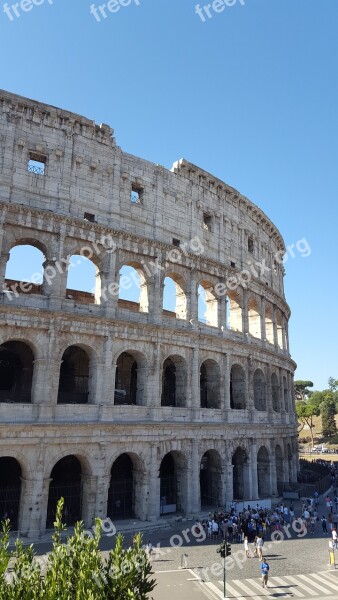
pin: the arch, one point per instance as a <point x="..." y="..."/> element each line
<point x="237" y="388"/>
<point x="174" y="376"/>
<point x="121" y="493"/>
<point x="259" y="390"/>
<point x="210" y="376"/>
<point x="130" y="378"/>
<point x="279" y="469"/>
<point x="16" y="372"/>
<point x="280" y="333"/>
<point x="10" y="490"/>
<point x="174" y="296"/>
<point x="66" y="482"/>
<point x="210" y="479"/>
<point x="254" y="317"/>
<point x="173" y="483"/>
<point x="275" y="393"/>
<point x="269" y="329"/>
<point x="83" y="281"/>
<point x="241" y="474"/>
<point x="25" y="267"/>
<point x="133" y="288"/>
<point x="286" y="394"/>
<point x="235" y="316"/>
<point x="74" y="387"/>
<point x="207" y="304"/>
<point x="263" y="472"/>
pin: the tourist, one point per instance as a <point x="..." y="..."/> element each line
<point x="324" y="525"/>
<point x="246" y="547"/>
<point x="265" y="572"/>
<point x="259" y="544"/>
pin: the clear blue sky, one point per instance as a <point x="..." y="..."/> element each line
<point x="250" y="95"/>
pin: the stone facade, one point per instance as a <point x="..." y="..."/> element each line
<point x="200" y="410"/>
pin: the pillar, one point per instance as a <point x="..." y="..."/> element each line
<point x="34" y="503"/>
<point x="89" y="494"/>
<point x="154" y="390"/>
<point x="245" y="314"/>
<point x="195" y="379"/>
<point x="109" y="370"/>
<point x="226" y="370"/>
<point x="229" y="476"/>
<point x="194" y="506"/>
<point x="193" y="301"/>
<point x="101" y="500"/>
<point x="40" y="383"/>
<point x="263" y="324"/>
<point x="273" y="472"/>
<point x="153" y="512"/>
<point x="4" y="257"/>
<point x="274" y="323"/>
<point x="253" y="471"/>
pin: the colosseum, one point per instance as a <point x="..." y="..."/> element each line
<point x="167" y="403"/>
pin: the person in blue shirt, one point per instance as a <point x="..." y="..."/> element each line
<point x="265" y="572"/>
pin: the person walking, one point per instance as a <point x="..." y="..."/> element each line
<point x="246" y="547"/>
<point x="259" y="544"/>
<point x="334" y="538"/>
<point x="324" y="525"/>
<point x="265" y="572"/>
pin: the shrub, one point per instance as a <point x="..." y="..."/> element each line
<point x="74" y="570"/>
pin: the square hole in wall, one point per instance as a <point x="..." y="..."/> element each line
<point x="89" y="217"/>
<point x="176" y="242"/>
<point x="136" y="194"/>
<point x="250" y="245"/>
<point x="207" y="221"/>
<point x="37" y="163"/>
<point x="232" y="264"/>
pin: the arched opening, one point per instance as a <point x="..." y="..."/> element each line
<point x="263" y="472"/>
<point x="16" y="372"/>
<point x="237" y="388"/>
<point x="269" y="325"/>
<point x="279" y="330"/>
<point x="74" y="377"/>
<point x="210" y="384"/>
<point x="235" y="318"/>
<point x="207" y="304"/>
<point x="275" y="393"/>
<point x="210" y="479"/>
<point x="259" y="390"/>
<point x="174" y="297"/>
<point x="279" y="469"/>
<point x="10" y="490"/>
<point x="66" y="483"/>
<point x="241" y="475"/>
<point x="174" y="382"/>
<point x="254" y="318"/>
<point x="172" y="483"/>
<point x="121" y="490"/>
<point x="24" y="270"/>
<point x="130" y="379"/>
<point x="286" y="394"/>
<point x="83" y="281"/>
<point x="133" y="288"/>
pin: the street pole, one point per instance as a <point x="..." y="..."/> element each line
<point x="224" y="577"/>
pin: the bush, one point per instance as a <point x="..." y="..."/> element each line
<point x="74" y="570"/>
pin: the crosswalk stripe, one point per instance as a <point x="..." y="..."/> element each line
<point x="293" y="591"/>
<point x="277" y="589"/>
<point x="259" y="587"/>
<point x="302" y="585"/>
<point x="214" y="589"/>
<point x="247" y="590"/>
<point x="323" y="580"/>
<point x="233" y="592"/>
<point x="330" y="575"/>
<point x="314" y="584"/>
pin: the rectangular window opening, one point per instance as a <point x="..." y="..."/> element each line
<point x="89" y="217"/>
<point x="250" y="245"/>
<point x="37" y="163"/>
<point x="136" y="195"/>
<point x="176" y="242"/>
<point x="232" y="264"/>
<point x="206" y="222"/>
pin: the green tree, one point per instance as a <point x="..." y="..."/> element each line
<point x="302" y="389"/>
<point x="306" y="410"/>
<point x="333" y="384"/>
<point x="328" y="412"/>
<point x="75" y="570"/>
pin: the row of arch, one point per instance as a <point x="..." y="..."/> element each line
<point x="203" y="300"/>
<point x="76" y="384"/>
<point x="125" y="491"/>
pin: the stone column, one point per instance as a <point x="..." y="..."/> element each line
<point x="249" y="385"/>
<point x="89" y="498"/>
<point x="195" y="379"/>
<point x="263" y="324"/>
<point x="193" y="301"/>
<point x="154" y="385"/>
<point x="221" y="316"/>
<point x="155" y="291"/>
<point x="273" y="472"/>
<point x="229" y="476"/>
<point x="4" y="257"/>
<point x="195" y="495"/>
<point x="268" y="391"/>
<point x="245" y="314"/>
<point x="153" y="512"/>
<point x="226" y="370"/>
<point x="109" y="370"/>
<point x="101" y="500"/>
<point x="33" y="508"/>
<point x="108" y="287"/>
<point x="40" y="383"/>
<point x="253" y="471"/>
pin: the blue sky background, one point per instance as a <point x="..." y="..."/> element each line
<point x="250" y="95"/>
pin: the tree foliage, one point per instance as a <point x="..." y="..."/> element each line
<point x="306" y="410"/>
<point x="328" y="412"/>
<point x="302" y="389"/>
<point x="74" y="570"/>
